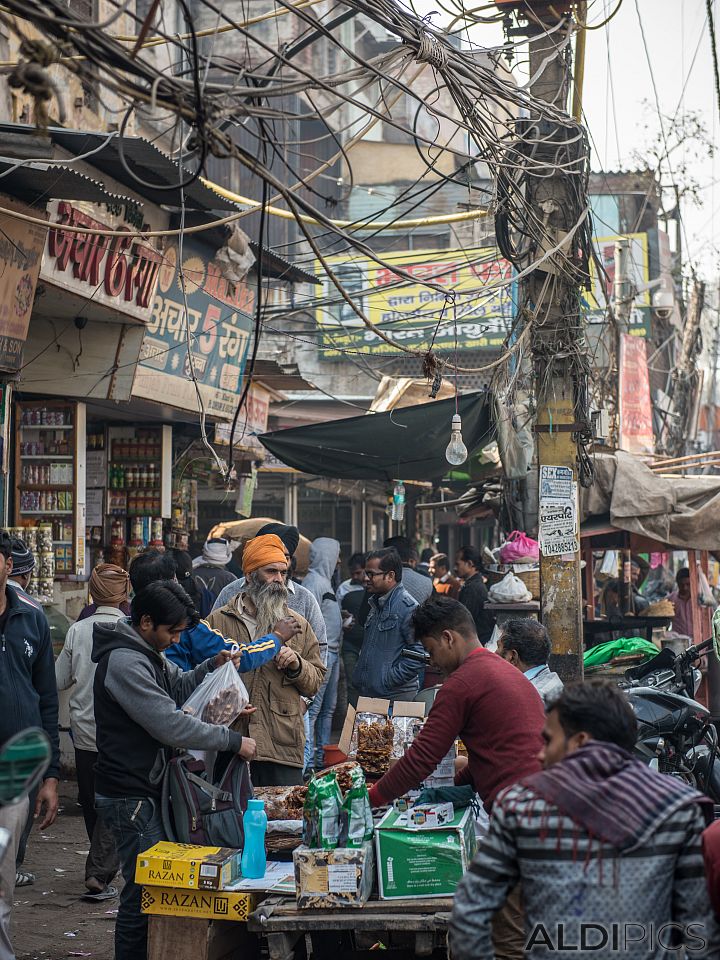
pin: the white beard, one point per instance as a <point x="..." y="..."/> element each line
<point x="270" y="601"/>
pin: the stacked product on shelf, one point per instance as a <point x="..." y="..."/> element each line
<point x="45" y="478"/>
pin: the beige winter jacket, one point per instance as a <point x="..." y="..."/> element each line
<point x="277" y="725"/>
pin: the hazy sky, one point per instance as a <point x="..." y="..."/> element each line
<point x="678" y="42"/>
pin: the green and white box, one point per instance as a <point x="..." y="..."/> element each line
<point x="416" y="863"/>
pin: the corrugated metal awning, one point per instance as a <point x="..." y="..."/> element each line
<point x="140" y="155"/>
<point x="36" y="183"/>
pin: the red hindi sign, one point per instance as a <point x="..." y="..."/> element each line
<point x="635" y="413"/>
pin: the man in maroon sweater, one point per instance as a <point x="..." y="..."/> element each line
<point x="491" y="706"/>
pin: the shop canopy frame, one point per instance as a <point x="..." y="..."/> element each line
<point x="402" y="444"/>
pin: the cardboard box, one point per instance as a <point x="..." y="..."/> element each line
<point x="334" y="878"/>
<point x="186" y="865"/>
<point x="444" y="773"/>
<point x="200" y="904"/>
<point x="427" y="862"/>
<point x="400" y="708"/>
<point x="428" y="815"/>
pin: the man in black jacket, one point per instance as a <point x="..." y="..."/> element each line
<point x="137" y="695"/>
<point x="473" y="594"/>
<point x="29" y="699"/>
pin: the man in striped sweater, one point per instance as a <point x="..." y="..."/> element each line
<point x="606" y="851"/>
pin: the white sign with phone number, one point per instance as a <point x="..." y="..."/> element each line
<point x="558" y="528"/>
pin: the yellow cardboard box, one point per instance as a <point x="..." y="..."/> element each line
<point x="201" y="904"/>
<point x="186" y="865"/>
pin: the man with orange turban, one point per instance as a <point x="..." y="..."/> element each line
<point x="276" y="689"/>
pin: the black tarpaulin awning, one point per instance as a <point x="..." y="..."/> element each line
<point x="407" y="443"/>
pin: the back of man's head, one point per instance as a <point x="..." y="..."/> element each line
<point x="443" y="613"/>
<point x="471" y="555"/>
<point x="150" y="567"/>
<point x="165" y="603"/>
<point x="598" y="709"/>
<point x="402" y="545"/>
<point x="528" y="638"/>
<point x="289" y="535"/>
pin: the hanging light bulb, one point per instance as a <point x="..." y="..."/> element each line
<point x="456" y="451"/>
<point x="398" y="502"/>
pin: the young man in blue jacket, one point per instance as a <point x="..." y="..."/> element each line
<point x="29" y="699"/>
<point x="201" y="642"/>
<point x="382" y="670"/>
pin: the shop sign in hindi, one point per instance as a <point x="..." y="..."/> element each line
<point x="454" y="296"/>
<point x="118" y="272"/>
<point x="21" y="250"/>
<point x="203" y="333"/>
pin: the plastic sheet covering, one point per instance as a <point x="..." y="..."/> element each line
<point x="407" y="444"/>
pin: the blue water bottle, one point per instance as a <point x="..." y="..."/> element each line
<point x="254" y="862"/>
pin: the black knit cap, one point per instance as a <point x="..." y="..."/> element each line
<point x="290" y="536"/>
<point x="23" y="558"/>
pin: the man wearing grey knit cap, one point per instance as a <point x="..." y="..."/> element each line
<point x="299" y="599"/>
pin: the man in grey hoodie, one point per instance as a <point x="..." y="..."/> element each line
<point x="324" y="557"/>
<point x="137" y="694"/>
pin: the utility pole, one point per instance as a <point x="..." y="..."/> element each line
<point x="685" y="373"/>
<point x="623" y="293"/>
<point x="557" y="194"/>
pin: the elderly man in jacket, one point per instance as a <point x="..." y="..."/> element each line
<point x="382" y="670"/>
<point x="299" y="599"/>
<point x="276" y="689"/>
<point x="525" y="644"/>
<point x="324" y="558"/>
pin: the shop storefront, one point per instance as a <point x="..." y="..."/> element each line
<point x="81" y="481"/>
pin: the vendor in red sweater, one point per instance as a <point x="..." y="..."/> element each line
<point x="490" y="705"/>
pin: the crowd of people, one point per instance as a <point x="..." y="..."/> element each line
<point x="552" y="765"/>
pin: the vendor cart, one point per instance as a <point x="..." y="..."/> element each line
<point x="418" y="926"/>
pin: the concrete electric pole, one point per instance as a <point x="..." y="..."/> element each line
<point x="556" y="192"/>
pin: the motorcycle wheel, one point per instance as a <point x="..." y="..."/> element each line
<point x="712" y="780"/>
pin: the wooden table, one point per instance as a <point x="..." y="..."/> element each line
<point x="420" y="925"/>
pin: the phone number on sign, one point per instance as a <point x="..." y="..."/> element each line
<point x="559" y="547"/>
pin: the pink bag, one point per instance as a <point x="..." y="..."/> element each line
<point x="519" y="548"/>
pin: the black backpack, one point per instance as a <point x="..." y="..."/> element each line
<point x="195" y="810"/>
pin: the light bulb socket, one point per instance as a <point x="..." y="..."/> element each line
<point x="456" y="422"/>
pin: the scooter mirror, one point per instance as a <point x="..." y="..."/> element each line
<point x="24" y="758"/>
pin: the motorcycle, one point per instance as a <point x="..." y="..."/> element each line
<point x="676" y="734"/>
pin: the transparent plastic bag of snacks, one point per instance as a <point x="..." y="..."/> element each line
<point x="358" y="811"/>
<point x="220" y="698"/>
<point x="405" y="729"/>
<point x="375" y="736"/>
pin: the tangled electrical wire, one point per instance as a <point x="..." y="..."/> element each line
<point x="243" y="90"/>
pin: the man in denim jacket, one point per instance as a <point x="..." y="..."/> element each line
<point x="381" y="670"/>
